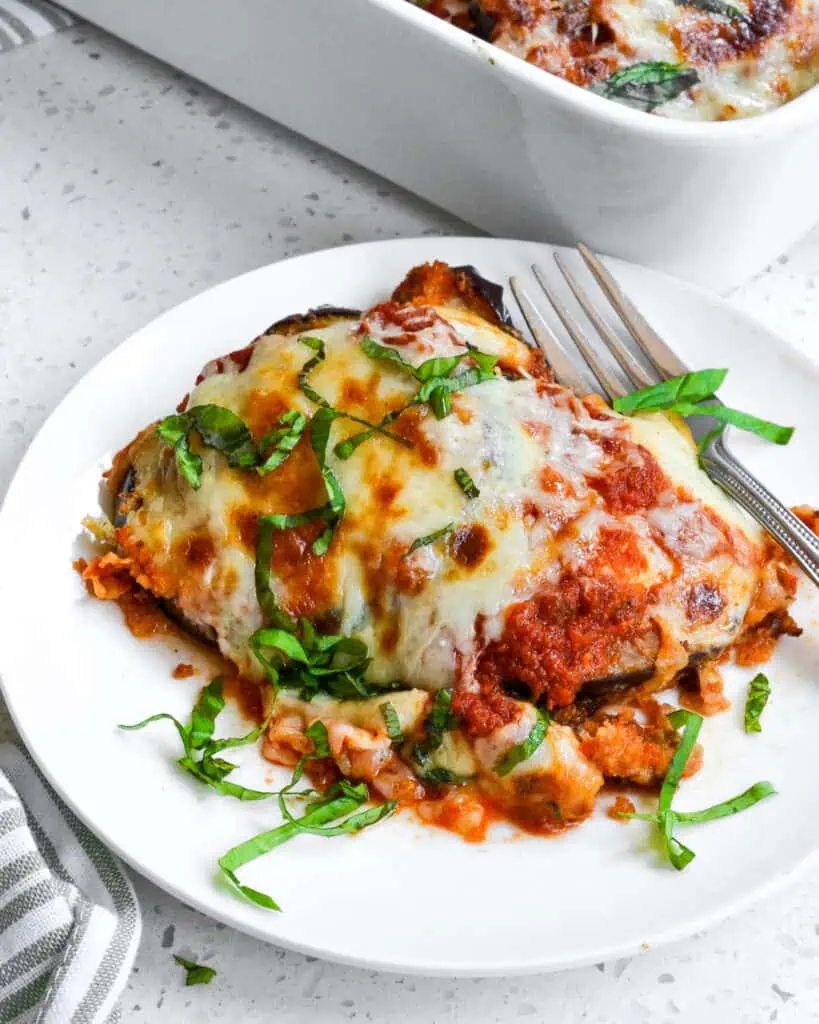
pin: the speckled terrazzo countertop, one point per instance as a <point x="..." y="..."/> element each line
<point x="124" y="189"/>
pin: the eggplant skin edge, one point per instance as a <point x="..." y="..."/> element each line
<point x="312" y="320"/>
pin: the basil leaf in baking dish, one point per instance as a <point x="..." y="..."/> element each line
<point x="523" y="751"/>
<point x="647" y="85"/>
<point x="758" y="693"/>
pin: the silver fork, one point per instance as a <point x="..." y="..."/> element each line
<point x="612" y="370"/>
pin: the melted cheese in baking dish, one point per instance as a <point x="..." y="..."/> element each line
<point x="750" y="56"/>
<point x="596" y="547"/>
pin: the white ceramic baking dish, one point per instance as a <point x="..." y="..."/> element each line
<point x="498" y="142"/>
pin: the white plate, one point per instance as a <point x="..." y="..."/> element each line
<point x="398" y="896"/>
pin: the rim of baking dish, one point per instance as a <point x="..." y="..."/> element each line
<point x="778" y="121"/>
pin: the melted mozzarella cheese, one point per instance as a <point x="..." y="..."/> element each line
<point x="533" y="450"/>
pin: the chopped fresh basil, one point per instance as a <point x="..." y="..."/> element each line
<point x="691" y="387"/>
<point x="385" y="354"/>
<point x="438" y="390"/>
<point x="340" y="802"/>
<point x="391" y="721"/>
<point x="440" y="366"/>
<point x="685" y="395"/>
<point x="344" y="449"/>
<point x="317" y="345"/>
<point x="271" y="612"/>
<point x="197" y="738"/>
<point x="223" y="430"/>
<point x="319" y="435"/>
<point x="691" y="724"/>
<point x="523" y="751"/>
<point x="466" y="483"/>
<point x="316" y="662"/>
<point x="434" y="375"/>
<point x="173" y="431"/>
<point x="218" y="428"/>
<point x="439" y="720"/>
<point x="742" y="420"/>
<point x="758" y="693"/>
<point x="647" y="85"/>
<point x="430" y="538"/>
<point x="751" y="796"/>
<point x="195" y="974"/>
<point x="715" y="7"/>
<point x="666" y="819"/>
<point x="437" y="776"/>
<point x="281" y="441"/>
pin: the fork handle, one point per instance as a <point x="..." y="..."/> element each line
<point x="725" y="470"/>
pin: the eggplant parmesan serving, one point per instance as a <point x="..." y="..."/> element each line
<point x="692" y="59"/>
<point x="447" y="582"/>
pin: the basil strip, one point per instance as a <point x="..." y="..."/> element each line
<point x="223" y="430"/>
<point x="726" y="808"/>
<point x="679" y="854"/>
<point x="173" y="431"/>
<point x="682" y="395"/>
<point x="742" y="420"/>
<point x="441" y="776"/>
<point x="319" y="435"/>
<point x="691" y="387"/>
<point x="205" y="712"/>
<point x="282" y="440"/>
<point x="439" y="720"/>
<point x="218" y="428"/>
<point x="758" y="693"/>
<point x="391" y="721"/>
<point x="385" y="354"/>
<point x="271" y="612"/>
<point x="429" y="539"/>
<point x="523" y="751"/>
<point x="666" y="819"/>
<point x="373" y="428"/>
<point x="195" y="974"/>
<point x="647" y="85"/>
<point x="437" y="387"/>
<point x="315" y="821"/>
<point x="314" y="662"/>
<point x="440" y="366"/>
<point x="691" y="724"/>
<point x="198" y="738"/>
<point x="466" y="483"/>
<point x="317" y="345"/>
<point x="714" y="7"/>
<point x="181" y="729"/>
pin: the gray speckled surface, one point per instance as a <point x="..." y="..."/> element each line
<point x="124" y="189"/>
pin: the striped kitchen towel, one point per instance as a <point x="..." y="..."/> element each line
<point x="22" y="21"/>
<point x="69" y="917"/>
